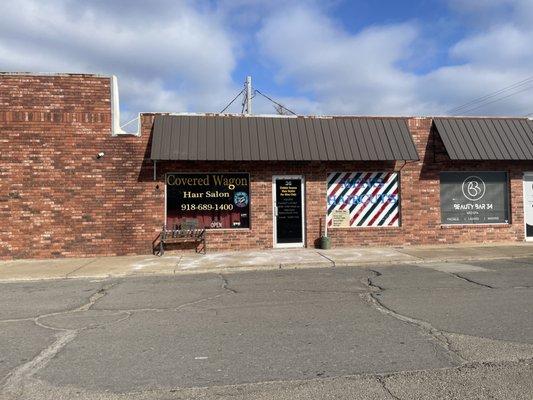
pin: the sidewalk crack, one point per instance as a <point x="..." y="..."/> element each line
<point x="426" y="327"/>
<point x="403" y="251"/>
<point x="14" y="381"/>
<point x="329" y="259"/>
<point x="13" y="384"/>
<point x="177" y="265"/>
<point x="371" y="284"/>
<point x="470" y="280"/>
<point x="381" y="381"/>
<point x="80" y="267"/>
<point x="225" y="284"/>
<point x="166" y="309"/>
<point x="321" y="291"/>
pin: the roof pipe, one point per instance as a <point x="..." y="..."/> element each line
<point x="248" y="99"/>
<point x="115" y="110"/>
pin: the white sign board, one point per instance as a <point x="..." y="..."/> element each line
<point x="528" y="204"/>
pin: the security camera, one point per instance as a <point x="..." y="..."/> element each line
<point x="100" y="155"/>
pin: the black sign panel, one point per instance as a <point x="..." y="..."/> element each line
<point x="217" y="200"/>
<point x="289" y="211"/>
<point x="474" y="197"/>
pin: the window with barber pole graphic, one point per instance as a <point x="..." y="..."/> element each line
<point x="363" y="199"/>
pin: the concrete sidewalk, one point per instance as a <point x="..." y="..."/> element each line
<point x="104" y="267"/>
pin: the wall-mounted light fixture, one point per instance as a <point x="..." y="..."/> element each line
<point x="100" y="155"/>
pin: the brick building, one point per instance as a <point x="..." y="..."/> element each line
<point x="71" y="184"/>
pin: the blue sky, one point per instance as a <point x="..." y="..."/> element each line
<point x="316" y="57"/>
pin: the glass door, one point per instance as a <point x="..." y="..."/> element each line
<point x="289" y="224"/>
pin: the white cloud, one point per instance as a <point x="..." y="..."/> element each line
<point x="169" y="56"/>
<point x="362" y="73"/>
<point x="344" y="73"/>
<point x="495" y="56"/>
<point x="503" y="46"/>
<point x="180" y="56"/>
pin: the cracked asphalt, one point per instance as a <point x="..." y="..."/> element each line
<point x="424" y="331"/>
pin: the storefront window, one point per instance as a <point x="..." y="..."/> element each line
<point x="214" y="201"/>
<point x="362" y="199"/>
<point x="474" y="197"/>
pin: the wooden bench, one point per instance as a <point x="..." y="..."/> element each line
<point x="187" y="232"/>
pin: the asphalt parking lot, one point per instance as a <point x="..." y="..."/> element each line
<point x="427" y="331"/>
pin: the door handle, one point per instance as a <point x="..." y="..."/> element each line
<point x="276" y="211"/>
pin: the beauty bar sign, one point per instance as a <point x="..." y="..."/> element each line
<point x="474" y="198"/>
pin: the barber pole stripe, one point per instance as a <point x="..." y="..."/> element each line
<point x="374" y="210"/>
<point x="366" y="209"/>
<point x="353" y="189"/>
<point x="372" y="198"/>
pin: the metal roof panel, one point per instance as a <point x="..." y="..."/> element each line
<point x="486" y="138"/>
<point x="235" y="138"/>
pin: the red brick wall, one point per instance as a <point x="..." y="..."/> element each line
<point x="58" y="200"/>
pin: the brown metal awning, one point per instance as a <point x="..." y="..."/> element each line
<point x="250" y="138"/>
<point x="486" y="138"/>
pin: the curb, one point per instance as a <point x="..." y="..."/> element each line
<point x="266" y="267"/>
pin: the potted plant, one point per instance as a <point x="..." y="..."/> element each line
<point x="325" y="242"/>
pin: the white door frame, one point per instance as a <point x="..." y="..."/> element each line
<point x="526" y="173"/>
<point x="274" y="211"/>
